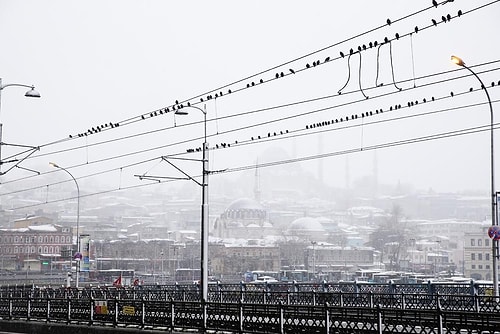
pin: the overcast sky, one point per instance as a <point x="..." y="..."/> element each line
<point x="97" y="62"/>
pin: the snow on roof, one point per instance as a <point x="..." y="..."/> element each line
<point x="43" y="228"/>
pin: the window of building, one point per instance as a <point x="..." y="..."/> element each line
<point x="479" y="242"/>
<point x="473" y="266"/>
<point x="487" y="242"/>
<point x="480" y="256"/>
<point x="480" y="266"/>
<point x="487" y="256"/>
<point x="472" y="242"/>
<point x="473" y="256"/>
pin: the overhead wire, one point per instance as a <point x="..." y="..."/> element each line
<point x="218" y="93"/>
<point x="161" y="110"/>
<point x="414" y="140"/>
<point x="286" y="64"/>
<point x="271" y="108"/>
<point x="268" y="109"/>
<point x="241" y="128"/>
<point x="289" y="136"/>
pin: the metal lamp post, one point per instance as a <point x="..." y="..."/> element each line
<point x="204" y="205"/>
<point x="494" y="222"/>
<point x="77" y="222"/>
<point x="31" y="93"/>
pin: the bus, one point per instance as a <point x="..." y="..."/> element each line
<point x="297" y="275"/>
<point x="113" y="276"/>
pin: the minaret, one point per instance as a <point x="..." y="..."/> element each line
<point x="375" y="174"/>
<point x="347" y="175"/>
<point x="256" y="187"/>
<point x="320" y="161"/>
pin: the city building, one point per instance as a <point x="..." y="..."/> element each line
<point x="477" y="255"/>
<point x="332" y="263"/>
<point x="34" y="247"/>
<point x="229" y="261"/>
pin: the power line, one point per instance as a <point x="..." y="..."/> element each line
<point x="389" y="22"/>
<point x="278" y="107"/>
<point x="256" y="125"/>
<point x="414" y="140"/>
<point x="291" y="134"/>
<point x="217" y="92"/>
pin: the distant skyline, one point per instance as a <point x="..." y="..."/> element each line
<point x="110" y="62"/>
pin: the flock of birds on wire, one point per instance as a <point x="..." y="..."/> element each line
<point x="179" y="105"/>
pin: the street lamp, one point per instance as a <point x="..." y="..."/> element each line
<point x="494" y="222"/>
<point x="77" y="255"/>
<point x="204" y="205"/>
<point x="31" y="93"/>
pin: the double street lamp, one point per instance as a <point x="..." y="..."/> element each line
<point x="78" y="254"/>
<point x="204" y="205"/>
<point x="494" y="222"/>
<point x="30" y="93"/>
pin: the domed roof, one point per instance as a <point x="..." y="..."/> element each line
<point x="306" y="224"/>
<point x="244" y="204"/>
<point x="234" y="224"/>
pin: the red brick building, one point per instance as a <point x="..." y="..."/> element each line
<point x="20" y="247"/>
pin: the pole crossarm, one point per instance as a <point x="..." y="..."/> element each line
<point x="182" y="172"/>
<point x="19" y="161"/>
<point x="167" y="159"/>
<point x="158" y="178"/>
<point x="28" y="169"/>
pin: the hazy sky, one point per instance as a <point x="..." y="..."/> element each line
<point x="97" y="62"/>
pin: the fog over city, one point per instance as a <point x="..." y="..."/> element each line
<point x="250" y="166"/>
<point x="309" y="97"/>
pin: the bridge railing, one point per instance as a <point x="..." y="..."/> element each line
<point x="300" y="293"/>
<point x="331" y="310"/>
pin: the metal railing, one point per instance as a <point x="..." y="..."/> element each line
<point x="222" y="292"/>
<point x="271" y="312"/>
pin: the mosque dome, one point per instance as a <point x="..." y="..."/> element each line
<point x="306" y="224"/>
<point x="245" y="208"/>
<point x="244" y="204"/>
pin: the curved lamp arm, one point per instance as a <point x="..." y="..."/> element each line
<point x="494" y="243"/>
<point x="77" y="216"/>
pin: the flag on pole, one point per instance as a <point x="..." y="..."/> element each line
<point x="118" y="281"/>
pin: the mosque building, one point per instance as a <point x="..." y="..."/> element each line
<point x="243" y="218"/>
